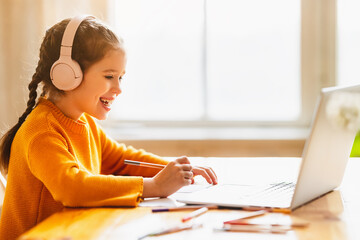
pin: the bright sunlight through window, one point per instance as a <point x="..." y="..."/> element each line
<point x="209" y="60"/>
<point x="348" y="42"/>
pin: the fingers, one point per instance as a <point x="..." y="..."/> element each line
<point x="203" y="172"/>
<point x="187" y="172"/>
<point x="212" y="174"/>
<point x="187" y="182"/>
<point x="183" y="160"/>
<point x="207" y="173"/>
<point x="185" y="167"/>
<point x="184" y="163"/>
<point x="188" y="175"/>
<point x="182" y="169"/>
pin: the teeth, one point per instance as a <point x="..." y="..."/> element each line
<point x="106" y="102"/>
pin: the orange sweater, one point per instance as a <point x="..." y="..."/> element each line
<point x="56" y="162"/>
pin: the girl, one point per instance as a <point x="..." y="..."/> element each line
<point x="57" y="156"/>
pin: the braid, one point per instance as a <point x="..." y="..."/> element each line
<point x="32" y="98"/>
<point x="46" y="57"/>
<point x="7" y="138"/>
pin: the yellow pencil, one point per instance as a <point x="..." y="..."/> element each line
<point x="144" y="164"/>
<point x="277" y="210"/>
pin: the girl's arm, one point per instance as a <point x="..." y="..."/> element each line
<point x="73" y="184"/>
<point x="114" y="154"/>
<point x="169" y="180"/>
<point x="175" y="175"/>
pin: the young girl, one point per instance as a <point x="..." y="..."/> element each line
<point x="57" y="156"/>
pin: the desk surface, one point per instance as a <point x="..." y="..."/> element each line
<point x="333" y="216"/>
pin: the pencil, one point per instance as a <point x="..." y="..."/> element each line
<point x="276" y="210"/>
<point x="171" y="230"/>
<point x="183" y="208"/>
<point x="144" y="164"/>
<point x="240" y="228"/>
<point x="250" y="215"/>
<point x="244" y="223"/>
<point x="194" y="214"/>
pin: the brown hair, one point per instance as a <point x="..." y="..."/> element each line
<point x="92" y="41"/>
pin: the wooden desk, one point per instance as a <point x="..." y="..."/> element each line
<point x="333" y="216"/>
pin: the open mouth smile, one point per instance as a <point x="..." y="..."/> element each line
<point x="106" y="102"/>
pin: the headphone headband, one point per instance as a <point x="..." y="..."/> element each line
<point x="69" y="35"/>
<point x="66" y="73"/>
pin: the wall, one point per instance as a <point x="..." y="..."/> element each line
<point x="221" y="148"/>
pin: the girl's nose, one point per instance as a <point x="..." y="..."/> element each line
<point x="117" y="88"/>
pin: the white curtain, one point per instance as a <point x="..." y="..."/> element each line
<point x="22" y="27"/>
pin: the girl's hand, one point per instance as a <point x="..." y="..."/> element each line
<point x="207" y="173"/>
<point x="175" y="175"/>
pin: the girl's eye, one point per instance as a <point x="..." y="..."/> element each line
<point x="109" y="77"/>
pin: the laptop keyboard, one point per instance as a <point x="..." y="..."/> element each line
<point x="271" y="193"/>
<point x="275" y="192"/>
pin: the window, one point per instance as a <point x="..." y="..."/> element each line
<point x="219" y="62"/>
<point x="253" y="60"/>
<point x="164" y="75"/>
<point x="348" y="42"/>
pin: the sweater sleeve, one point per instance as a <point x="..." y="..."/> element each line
<point x="114" y="154"/>
<point x="72" y="184"/>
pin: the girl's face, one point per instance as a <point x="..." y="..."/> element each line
<point x="100" y="86"/>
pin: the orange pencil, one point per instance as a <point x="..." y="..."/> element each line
<point x="194" y="214"/>
<point x="250" y="215"/>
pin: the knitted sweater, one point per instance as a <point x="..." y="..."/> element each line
<point x="57" y="162"/>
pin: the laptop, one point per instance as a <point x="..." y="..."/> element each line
<point x="323" y="163"/>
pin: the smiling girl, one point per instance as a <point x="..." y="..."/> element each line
<point x="57" y="156"/>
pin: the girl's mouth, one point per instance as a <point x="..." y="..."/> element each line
<point x="106" y="102"/>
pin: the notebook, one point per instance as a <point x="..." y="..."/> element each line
<point x="323" y="163"/>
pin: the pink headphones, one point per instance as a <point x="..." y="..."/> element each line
<point x="66" y="73"/>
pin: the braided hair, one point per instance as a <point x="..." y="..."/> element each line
<point x="92" y="41"/>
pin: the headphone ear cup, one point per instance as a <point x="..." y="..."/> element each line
<point x="66" y="74"/>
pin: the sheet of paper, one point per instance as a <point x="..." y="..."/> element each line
<point x="160" y="202"/>
<point x="169" y="201"/>
<point x="193" y="188"/>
